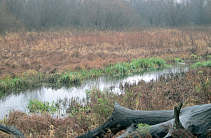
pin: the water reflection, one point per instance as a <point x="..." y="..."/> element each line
<point x="20" y="101"/>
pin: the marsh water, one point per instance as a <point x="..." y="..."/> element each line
<point x="44" y="94"/>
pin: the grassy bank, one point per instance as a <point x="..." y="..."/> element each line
<point x="33" y="78"/>
<point x="202" y="64"/>
<point x="191" y="88"/>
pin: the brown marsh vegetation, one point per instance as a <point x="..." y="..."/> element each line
<point x="62" y="51"/>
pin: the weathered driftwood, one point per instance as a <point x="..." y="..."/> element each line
<point x="166" y="129"/>
<point x="11" y="130"/>
<point x="195" y="119"/>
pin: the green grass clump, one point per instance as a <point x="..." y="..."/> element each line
<point x="20" y="82"/>
<point x="136" y="65"/>
<point x="119" y="69"/>
<point x="178" y="60"/>
<point x="144" y="128"/>
<point x="38" y="106"/>
<point x="202" y="64"/>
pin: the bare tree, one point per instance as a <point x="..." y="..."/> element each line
<point x="201" y="11"/>
<point x="107" y="14"/>
<point x="175" y="13"/>
<point x="150" y="11"/>
<point x="10" y="15"/>
<point x="41" y="14"/>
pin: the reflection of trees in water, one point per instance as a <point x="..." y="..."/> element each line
<point x="104" y="82"/>
<point x="3" y="100"/>
<point x="114" y="84"/>
<point x="34" y="94"/>
<point x="21" y="92"/>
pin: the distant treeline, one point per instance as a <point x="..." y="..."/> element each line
<point x="29" y="15"/>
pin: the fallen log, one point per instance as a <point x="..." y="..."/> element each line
<point x="11" y="130"/>
<point x="195" y="119"/>
<point x="174" y="128"/>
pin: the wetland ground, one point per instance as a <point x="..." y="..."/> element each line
<point x="28" y="56"/>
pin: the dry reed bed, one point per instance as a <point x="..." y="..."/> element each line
<point x="63" y="51"/>
<point x="191" y="88"/>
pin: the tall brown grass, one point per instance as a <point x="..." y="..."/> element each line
<point x="63" y="51"/>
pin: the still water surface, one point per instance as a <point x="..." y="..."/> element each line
<point x="20" y="101"/>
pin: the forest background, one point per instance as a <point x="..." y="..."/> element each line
<point x="37" y="15"/>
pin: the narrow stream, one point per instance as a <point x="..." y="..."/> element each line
<point x="20" y="102"/>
